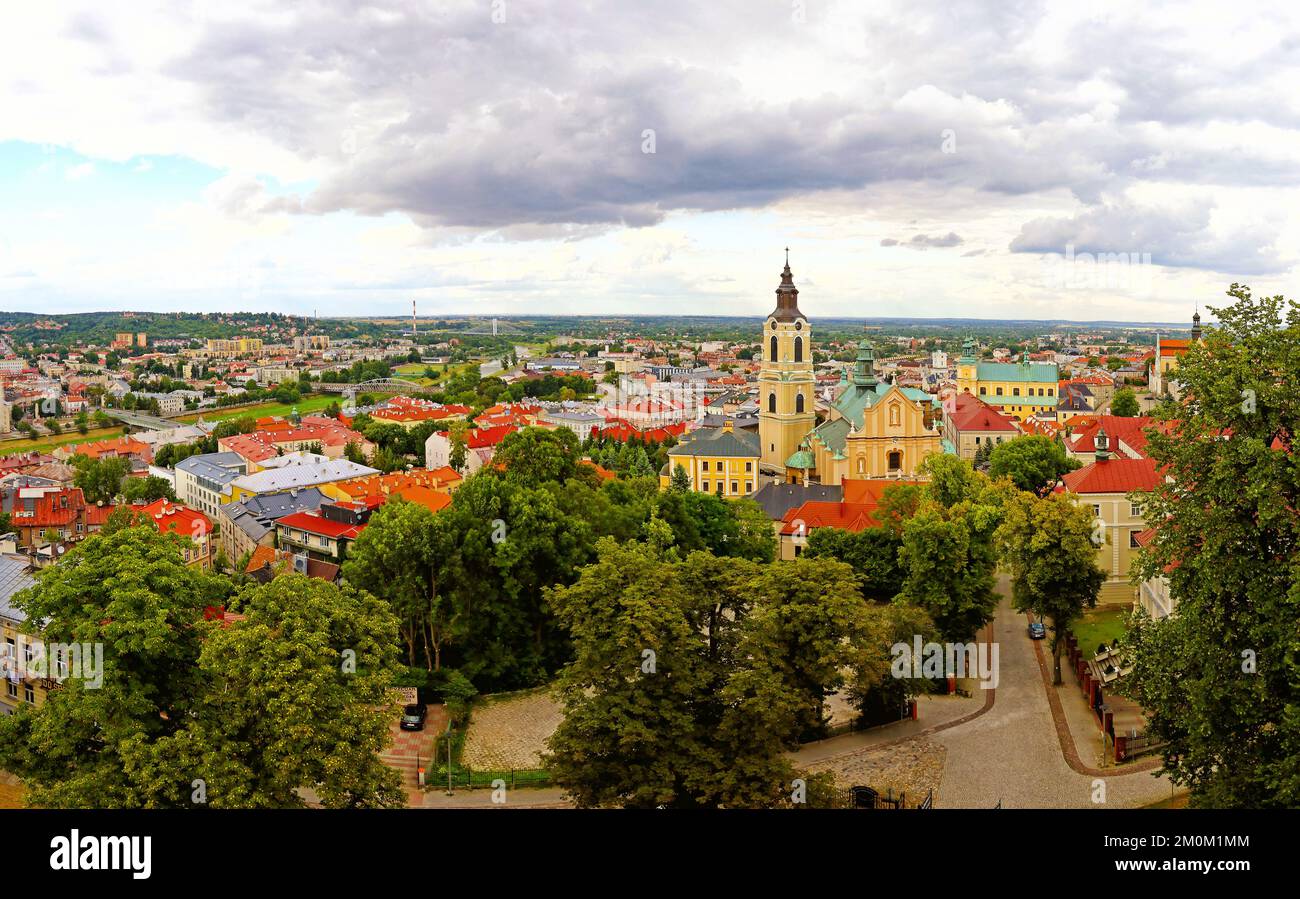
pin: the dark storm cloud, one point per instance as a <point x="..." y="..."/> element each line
<point x="538" y="126"/>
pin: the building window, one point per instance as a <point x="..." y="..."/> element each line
<point x="735" y="487"/>
<point x="1050" y="391"/>
<point x="1133" y="540"/>
<point x="895" y="460"/>
<point x="1135" y="510"/>
<point x="771" y="403"/>
<point x="749" y="466"/>
<point x="773" y="356"/>
<point x="1015" y="391"/>
<point x="977" y="441"/>
<point x="705" y="486"/>
<point x="798" y="349"/>
<point x="999" y="391"/>
<point x="798" y="403"/>
<point x="29" y="695"/>
<point x="1096" y="510"/>
<point x="983" y="391"/>
<point x="13" y="690"/>
<point x="749" y="487"/>
<point x="704" y="466"/>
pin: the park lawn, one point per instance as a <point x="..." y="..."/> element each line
<point x="308" y="404"/>
<point x="1104" y="624"/>
<point x="45" y="444"/>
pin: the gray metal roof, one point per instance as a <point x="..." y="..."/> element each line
<point x="777" y="499"/>
<point x="14" y="576"/>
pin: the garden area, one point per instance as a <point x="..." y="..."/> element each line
<point x="1104" y="624"/>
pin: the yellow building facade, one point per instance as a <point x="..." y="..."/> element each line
<point x="1017" y="389"/>
<point x="721" y="461"/>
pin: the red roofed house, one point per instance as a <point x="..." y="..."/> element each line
<point x="1126" y="436"/>
<point x="856" y="512"/>
<point x="175" y="518"/>
<point x="969" y="423"/>
<point x="325" y="533"/>
<point x="480" y="445"/>
<point x="62" y="510"/>
<point x="1105" y="485"/>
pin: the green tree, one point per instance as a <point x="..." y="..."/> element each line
<point x="1124" y="403"/>
<point x="147" y="490"/>
<point x="871" y="553"/>
<point x="1047" y="544"/>
<point x="1032" y="462"/>
<point x="399" y="557"/>
<point x="681" y="480"/>
<point x="535" y="455"/>
<point x="1219" y="680"/>
<point x="100" y="479"/>
<point x="663" y="704"/>
<point x="130" y="592"/>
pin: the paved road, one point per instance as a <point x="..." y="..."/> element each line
<point x="1011" y="753"/>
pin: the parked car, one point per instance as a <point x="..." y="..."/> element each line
<point x="1037" y="630"/>
<point x="413" y="717"/>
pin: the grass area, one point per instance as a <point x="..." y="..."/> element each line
<point x="45" y="444"/>
<point x="1104" y="624"/>
<point x="307" y="405"/>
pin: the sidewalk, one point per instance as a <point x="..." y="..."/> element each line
<point x="932" y="711"/>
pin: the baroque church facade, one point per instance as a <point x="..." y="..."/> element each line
<point x="873" y="429"/>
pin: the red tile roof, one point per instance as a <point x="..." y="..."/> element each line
<point x="174" y="518"/>
<point x="1113" y="476"/>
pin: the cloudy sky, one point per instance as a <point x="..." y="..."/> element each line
<point x="1000" y="159"/>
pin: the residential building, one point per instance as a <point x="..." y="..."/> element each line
<point x="1018" y="389"/>
<point x="305" y="471"/>
<point x="480" y="446"/>
<point x="324" y="534"/>
<point x="15" y="644"/>
<point x="203" y="481"/>
<point x="175" y="518"/>
<point x="722" y="461"/>
<point x="249" y="524"/>
<point x="1167" y="353"/>
<point x="971" y="424"/>
<point x="1105" y="486"/>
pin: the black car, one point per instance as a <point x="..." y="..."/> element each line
<point x="1037" y="630"/>
<point x="413" y="717"/>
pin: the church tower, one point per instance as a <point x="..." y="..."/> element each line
<point x="786" y="383"/>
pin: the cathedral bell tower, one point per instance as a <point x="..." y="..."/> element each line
<point x="786" y="383"/>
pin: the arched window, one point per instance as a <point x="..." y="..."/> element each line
<point x="798" y="349"/>
<point x="771" y="402"/>
<point x="772" y="358"/>
<point x="798" y="403"/>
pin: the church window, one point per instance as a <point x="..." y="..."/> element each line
<point x="895" y="460"/>
<point x="798" y="349"/>
<point x="771" y="402"/>
<point x="773" y="355"/>
<point x="798" y="403"/>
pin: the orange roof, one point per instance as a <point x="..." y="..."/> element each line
<point x="818" y="514"/>
<point x="174" y="518"/>
<point x="118" y="446"/>
<point x="1113" y="476"/>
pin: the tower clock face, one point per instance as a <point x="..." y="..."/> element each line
<point x="773" y="324"/>
<point x="798" y="326"/>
